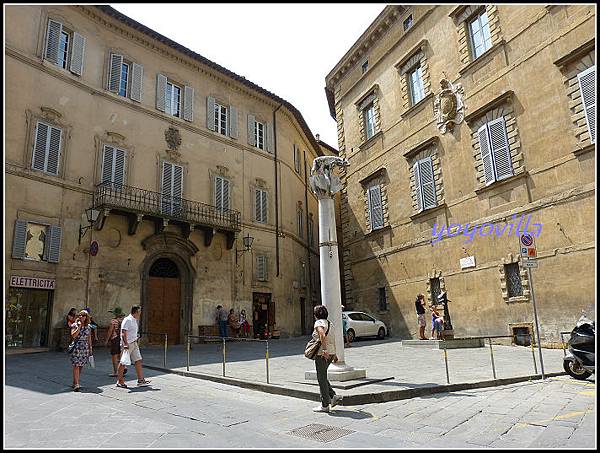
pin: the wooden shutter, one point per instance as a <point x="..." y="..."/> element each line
<point x="219" y="193"/>
<point x="587" y="85"/>
<point x="263" y="207"/>
<point x="225" y="194"/>
<point x="233" y="122"/>
<point x="53" y="41"/>
<point x="269" y="137"/>
<point x="261" y="267"/>
<point x="188" y="103"/>
<point x="54" y="238"/>
<point x="177" y="189"/>
<point x="500" y="148"/>
<point x="251" y="130"/>
<point x="166" y="187"/>
<point x="53" y="159"/>
<point x="119" y="172"/>
<point x="210" y="113"/>
<point x="114" y="75"/>
<point x="427" y="183"/>
<point x="257" y="204"/>
<point x="107" y="164"/>
<point x="486" y="155"/>
<point x="39" y="147"/>
<point x="137" y="76"/>
<point x="418" y="189"/>
<point x="19" y="239"/>
<point x="161" y="90"/>
<point x="77" y="54"/>
<point x="376" y="208"/>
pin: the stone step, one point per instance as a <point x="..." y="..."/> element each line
<point x="449" y="344"/>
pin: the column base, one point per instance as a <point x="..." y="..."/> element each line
<point x="338" y="372"/>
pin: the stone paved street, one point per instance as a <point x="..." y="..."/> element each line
<point x="176" y="411"/>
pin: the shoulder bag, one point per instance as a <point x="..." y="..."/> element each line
<point x="312" y="347"/>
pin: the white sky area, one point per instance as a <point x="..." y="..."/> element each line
<point x="287" y="49"/>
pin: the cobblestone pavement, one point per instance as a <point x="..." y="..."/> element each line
<point x="176" y="411"/>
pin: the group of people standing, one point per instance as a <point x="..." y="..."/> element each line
<point x="122" y="336"/>
<point x="437" y="322"/>
<point x="238" y="324"/>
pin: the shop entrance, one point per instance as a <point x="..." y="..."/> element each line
<point x="263" y="315"/>
<point x="164" y="301"/>
<point x="27" y="319"/>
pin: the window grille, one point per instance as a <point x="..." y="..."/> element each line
<point x="514" y="286"/>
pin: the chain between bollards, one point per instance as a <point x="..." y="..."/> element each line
<point x="267" y="360"/>
<point x="446" y="362"/>
<point x="492" y="357"/>
<point x="533" y="354"/>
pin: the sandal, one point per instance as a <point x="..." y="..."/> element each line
<point x="76" y="388"/>
<point x="143" y="382"/>
<point x="123" y="386"/>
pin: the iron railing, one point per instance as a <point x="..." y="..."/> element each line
<point x="165" y="344"/>
<point x="133" y="199"/>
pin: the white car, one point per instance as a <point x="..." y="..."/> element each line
<point x="363" y="325"/>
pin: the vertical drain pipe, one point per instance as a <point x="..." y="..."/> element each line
<point x="309" y="295"/>
<point x="276" y="189"/>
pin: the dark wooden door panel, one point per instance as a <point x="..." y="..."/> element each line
<point x="164" y="306"/>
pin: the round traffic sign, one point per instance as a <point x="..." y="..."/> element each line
<point x="94" y="248"/>
<point x="527" y="240"/>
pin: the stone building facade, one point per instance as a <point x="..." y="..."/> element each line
<point x="469" y="118"/>
<point x="180" y="159"/>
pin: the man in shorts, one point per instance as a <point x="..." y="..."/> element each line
<point x="129" y="342"/>
<point x="420" y="306"/>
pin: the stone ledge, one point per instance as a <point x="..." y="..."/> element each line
<point x="368" y="143"/>
<point x="411" y="110"/>
<point x="501" y="183"/>
<point x="424" y="213"/>
<point x="475" y="63"/>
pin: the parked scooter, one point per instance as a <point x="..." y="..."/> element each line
<point x="580" y="361"/>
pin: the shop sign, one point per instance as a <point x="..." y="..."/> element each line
<point x="32" y="282"/>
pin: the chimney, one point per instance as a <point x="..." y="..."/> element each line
<point x="317" y="136"/>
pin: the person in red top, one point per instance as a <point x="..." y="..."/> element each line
<point x="113" y="338"/>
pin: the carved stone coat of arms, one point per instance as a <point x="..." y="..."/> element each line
<point x="448" y="106"/>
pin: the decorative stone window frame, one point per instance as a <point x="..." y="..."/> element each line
<point x="417" y="56"/>
<point x="512" y="259"/>
<point x="117" y="140"/>
<point x="501" y="106"/>
<point x="371" y="96"/>
<point x="54" y="118"/>
<point x="379" y="177"/>
<point x="570" y="66"/>
<point x="434" y="273"/>
<point x="222" y="172"/>
<point x="428" y="148"/>
<point x="461" y="16"/>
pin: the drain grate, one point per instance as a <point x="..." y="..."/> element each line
<point x="322" y="433"/>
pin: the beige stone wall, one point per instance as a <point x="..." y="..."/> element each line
<point x="92" y="115"/>
<point x="552" y="161"/>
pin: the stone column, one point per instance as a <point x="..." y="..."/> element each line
<point x="325" y="185"/>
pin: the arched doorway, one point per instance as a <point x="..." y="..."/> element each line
<point x="163" y="308"/>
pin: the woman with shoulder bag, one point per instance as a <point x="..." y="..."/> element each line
<point x="82" y="342"/>
<point x="324" y="334"/>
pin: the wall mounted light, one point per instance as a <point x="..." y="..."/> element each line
<point x="91" y="214"/>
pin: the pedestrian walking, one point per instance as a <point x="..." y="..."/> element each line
<point x="233" y="323"/>
<point x="222" y="320"/>
<point x="345" y="327"/>
<point x="71" y="317"/>
<point x="244" y="324"/>
<point x="420" y="306"/>
<point x="324" y="331"/>
<point x="129" y="342"/>
<point x="437" y="323"/>
<point x="80" y="355"/>
<point x="113" y="339"/>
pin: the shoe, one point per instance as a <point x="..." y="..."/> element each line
<point x="76" y="388"/>
<point x="123" y="386"/>
<point x="337" y="399"/>
<point x="143" y="382"/>
<point x="321" y="409"/>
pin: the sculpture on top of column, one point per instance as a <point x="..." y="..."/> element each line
<point x="322" y="180"/>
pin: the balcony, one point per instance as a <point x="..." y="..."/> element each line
<point x="137" y="204"/>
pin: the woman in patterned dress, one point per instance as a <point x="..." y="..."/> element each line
<point x="81" y="334"/>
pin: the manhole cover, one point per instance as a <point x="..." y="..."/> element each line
<point x="322" y="433"/>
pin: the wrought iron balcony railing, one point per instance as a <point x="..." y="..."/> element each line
<point x="132" y="199"/>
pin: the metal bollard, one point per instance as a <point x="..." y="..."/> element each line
<point x="533" y="354"/>
<point x="446" y="361"/>
<point x="267" y="361"/>
<point x="562" y="342"/>
<point x="223" y="356"/>
<point x="492" y="356"/>
<point x="188" y="353"/>
<point x="165" y="357"/>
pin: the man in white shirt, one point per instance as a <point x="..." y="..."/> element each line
<point x="129" y="342"/>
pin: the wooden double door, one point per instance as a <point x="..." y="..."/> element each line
<point x="163" y="307"/>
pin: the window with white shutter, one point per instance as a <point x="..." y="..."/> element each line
<point x="479" y="33"/>
<point x="172" y="99"/>
<point x="37" y="242"/>
<point x="172" y="189"/>
<point x="261" y="267"/>
<point x="113" y="165"/>
<point x="46" y="148"/>
<point x="587" y="86"/>
<point x="64" y="48"/>
<point x="137" y="75"/>
<point x="375" y="207"/>
<point x="233" y="122"/>
<point x="220" y="119"/>
<point x="188" y="104"/>
<point x="221" y="193"/>
<point x="260" y="205"/>
<point x="251" y="130"/>
<point x="369" y="116"/>
<point x="417" y="91"/>
<point x="259" y="135"/>
<point x="53" y="41"/>
<point x="424" y="184"/>
<point x="495" y="151"/>
<point x="77" y="54"/>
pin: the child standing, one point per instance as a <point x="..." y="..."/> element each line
<point x="437" y="323"/>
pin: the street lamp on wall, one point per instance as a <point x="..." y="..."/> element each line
<point x="247" y="241"/>
<point x="91" y="214"/>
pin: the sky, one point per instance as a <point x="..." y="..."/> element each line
<point x="287" y="49"/>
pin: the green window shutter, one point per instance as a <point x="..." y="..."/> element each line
<point x="77" y="54"/>
<point x="486" y="155"/>
<point x="119" y="173"/>
<point x="161" y="89"/>
<point x="427" y="183"/>
<point x="587" y="85"/>
<point x="251" y="130"/>
<point x="19" y="239"/>
<point x="233" y="122"/>
<point x="107" y="164"/>
<point x="54" y="145"/>
<point x="52" y="41"/>
<point x="137" y="76"/>
<point x="114" y="76"/>
<point x="210" y="113"/>
<point x="188" y="104"/>
<point x="39" y="147"/>
<point x="418" y="189"/>
<point x="500" y="149"/>
<point x="55" y="238"/>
